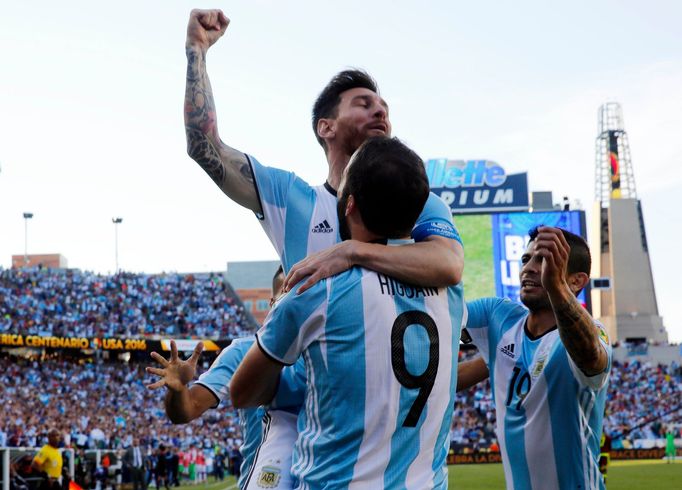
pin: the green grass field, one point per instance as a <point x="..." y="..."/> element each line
<point x="623" y="475"/>
<point x="479" y="278"/>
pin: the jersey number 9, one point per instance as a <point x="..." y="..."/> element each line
<point x="424" y="382"/>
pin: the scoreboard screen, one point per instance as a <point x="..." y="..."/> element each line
<point x="494" y="244"/>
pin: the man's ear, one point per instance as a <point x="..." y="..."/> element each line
<point x="577" y="281"/>
<point x="326" y="128"/>
<point x="350" y="205"/>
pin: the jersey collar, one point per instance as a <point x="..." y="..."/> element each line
<point x="534" y="337"/>
<point x="330" y="189"/>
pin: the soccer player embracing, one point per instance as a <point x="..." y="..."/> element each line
<point x="378" y="352"/>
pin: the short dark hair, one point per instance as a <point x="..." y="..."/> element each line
<point x="327" y="102"/>
<point x="579" y="259"/>
<point x="389" y="184"/>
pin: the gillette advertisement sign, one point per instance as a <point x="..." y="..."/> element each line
<point x="477" y="186"/>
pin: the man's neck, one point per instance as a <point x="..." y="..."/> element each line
<point x="362" y="234"/>
<point x="337" y="161"/>
<point x="540" y="322"/>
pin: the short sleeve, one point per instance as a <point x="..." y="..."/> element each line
<point x="217" y="378"/>
<point x="485" y="320"/>
<point x="435" y="219"/>
<point x="41" y="457"/>
<point x="294" y="323"/>
<point x="272" y="188"/>
<point x="477" y="324"/>
<point x="596" y="381"/>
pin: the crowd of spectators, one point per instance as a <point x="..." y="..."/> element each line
<point x="98" y="406"/>
<point x="71" y="303"/>
<point x="103" y="405"/>
<point x="473" y="421"/>
<point x="642" y="402"/>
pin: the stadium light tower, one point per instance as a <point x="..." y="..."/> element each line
<point x="623" y="293"/>
<point x="27" y="216"/>
<point x="614" y="178"/>
<point x="116" y="221"/>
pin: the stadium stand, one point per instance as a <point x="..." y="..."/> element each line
<point x="473" y="421"/>
<point x="71" y="303"/>
<point x="104" y="405"/>
<point x="99" y="406"/>
<point x="643" y="400"/>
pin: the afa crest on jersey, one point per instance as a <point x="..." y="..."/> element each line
<point x="603" y="335"/>
<point x="539" y="366"/>
<point x="269" y="477"/>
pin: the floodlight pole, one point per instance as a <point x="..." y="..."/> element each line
<point x="27" y="216"/>
<point x="116" y="222"/>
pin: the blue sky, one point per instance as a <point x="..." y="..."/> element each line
<point x="91" y="112"/>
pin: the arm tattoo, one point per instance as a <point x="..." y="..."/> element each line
<point x="200" y="118"/>
<point x="578" y="333"/>
<point x="246" y="172"/>
<point x="200" y="149"/>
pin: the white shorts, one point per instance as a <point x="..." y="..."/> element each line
<point x="272" y="464"/>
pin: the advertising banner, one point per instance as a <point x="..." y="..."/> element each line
<point x="510" y="238"/>
<point x="653" y="453"/>
<point x="107" y="343"/>
<point x="474" y="458"/>
<point x="477" y="186"/>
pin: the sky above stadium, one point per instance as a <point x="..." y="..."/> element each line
<point x="91" y="113"/>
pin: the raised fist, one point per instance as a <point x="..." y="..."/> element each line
<point x="205" y="27"/>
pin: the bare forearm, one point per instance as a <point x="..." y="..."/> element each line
<point x="470" y="373"/>
<point x="578" y="332"/>
<point x="200" y="116"/>
<point x="180" y="407"/>
<point x="427" y="263"/>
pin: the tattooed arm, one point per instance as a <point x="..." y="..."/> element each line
<point x="228" y="167"/>
<point x="577" y="329"/>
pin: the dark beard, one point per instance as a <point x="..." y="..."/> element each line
<point x="354" y="139"/>
<point x="537" y="304"/>
<point x="344" y="231"/>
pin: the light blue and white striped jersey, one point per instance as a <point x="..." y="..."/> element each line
<point x="301" y="220"/>
<point x="549" y="413"/>
<point x="217" y="380"/>
<point x="289" y="397"/>
<point x="379" y="359"/>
